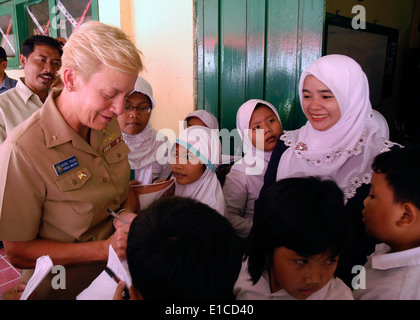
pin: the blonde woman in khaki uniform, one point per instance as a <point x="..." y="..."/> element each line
<point x="66" y="165"/>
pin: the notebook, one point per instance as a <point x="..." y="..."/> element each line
<point x="147" y="193"/>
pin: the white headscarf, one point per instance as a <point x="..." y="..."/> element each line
<point x="204" y="144"/>
<point x="383" y="124"/>
<point x="346" y="151"/>
<point x="211" y="122"/>
<point x="206" y="117"/>
<point x="145" y="144"/>
<point x="255" y="161"/>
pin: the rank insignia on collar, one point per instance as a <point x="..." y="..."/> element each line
<point x="106" y="131"/>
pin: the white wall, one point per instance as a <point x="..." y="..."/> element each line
<point x="164" y="33"/>
<point x="109" y="12"/>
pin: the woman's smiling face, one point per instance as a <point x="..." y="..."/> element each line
<point x="319" y="104"/>
<point x="101" y="98"/>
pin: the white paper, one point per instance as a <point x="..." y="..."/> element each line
<point x="103" y="287"/>
<point x="43" y="266"/>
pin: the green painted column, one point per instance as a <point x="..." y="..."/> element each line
<point x="254" y="49"/>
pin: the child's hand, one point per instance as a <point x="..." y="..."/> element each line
<point x="170" y="192"/>
<point x="118" y="295"/>
<point x="15" y="293"/>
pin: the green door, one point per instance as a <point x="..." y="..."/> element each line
<point x="255" y="49"/>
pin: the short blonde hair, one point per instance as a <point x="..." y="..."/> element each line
<point x="96" y="44"/>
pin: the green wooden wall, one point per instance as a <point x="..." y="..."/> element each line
<point x="255" y="49"/>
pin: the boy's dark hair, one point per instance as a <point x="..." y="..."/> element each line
<point x="179" y="248"/>
<point x="28" y="46"/>
<point x="305" y="215"/>
<point x="402" y="170"/>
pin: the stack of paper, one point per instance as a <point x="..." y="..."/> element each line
<point x="43" y="266"/>
<point x="104" y="286"/>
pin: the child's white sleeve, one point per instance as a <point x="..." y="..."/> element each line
<point x="236" y="196"/>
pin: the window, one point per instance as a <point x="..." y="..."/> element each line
<point x="21" y="19"/>
<point x="6" y="34"/>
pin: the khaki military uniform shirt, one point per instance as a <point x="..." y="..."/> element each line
<point x="16" y="105"/>
<point x="56" y="186"/>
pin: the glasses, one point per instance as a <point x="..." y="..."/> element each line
<point x="138" y="109"/>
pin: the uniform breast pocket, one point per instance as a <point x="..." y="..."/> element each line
<point x="117" y="153"/>
<point x="117" y="160"/>
<point x="73" y="180"/>
<point x="78" y="193"/>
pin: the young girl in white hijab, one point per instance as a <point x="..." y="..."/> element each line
<point x="201" y="118"/>
<point x="259" y="127"/>
<point x="339" y="141"/>
<point x="193" y="158"/>
<point x="146" y="144"/>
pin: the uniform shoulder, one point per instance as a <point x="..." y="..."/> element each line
<point x="28" y="132"/>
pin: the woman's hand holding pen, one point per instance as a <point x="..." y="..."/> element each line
<point x="122" y="223"/>
<point x="122" y="226"/>
<point x="119" y="241"/>
<point x="127" y="218"/>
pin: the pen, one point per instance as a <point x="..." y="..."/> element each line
<point x="116" y="216"/>
<point x="111" y="273"/>
<point x="170" y="175"/>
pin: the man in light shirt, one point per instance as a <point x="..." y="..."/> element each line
<point x="41" y="60"/>
<point x="6" y="83"/>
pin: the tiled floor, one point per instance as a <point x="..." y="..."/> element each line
<point x="9" y="276"/>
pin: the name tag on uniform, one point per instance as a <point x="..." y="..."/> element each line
<point x="66" y="165"/>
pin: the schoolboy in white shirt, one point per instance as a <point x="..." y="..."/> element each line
<point x="392" y="215"/>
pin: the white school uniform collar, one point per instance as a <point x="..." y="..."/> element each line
<point x="383" y="259"/>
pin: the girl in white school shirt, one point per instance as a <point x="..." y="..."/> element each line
<point x="246" y="177"/>
<point x="193" y="158"/>
<point x="144" y="142"/>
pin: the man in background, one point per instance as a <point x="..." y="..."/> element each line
<point x="41" y="61"/>
<point x="6" y="82"/>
